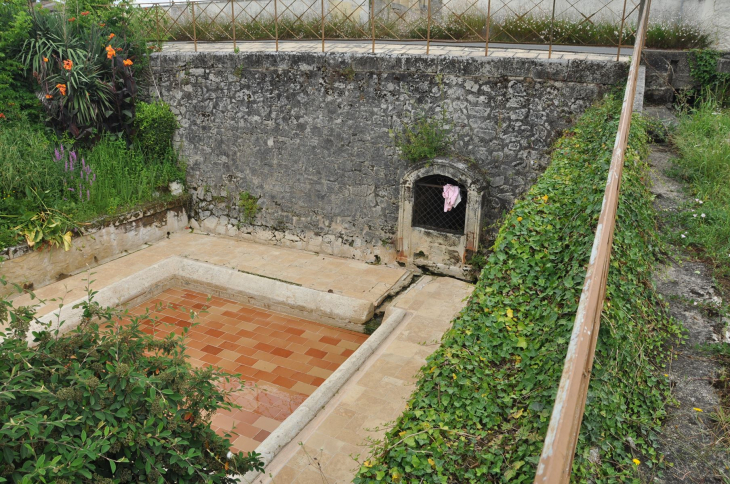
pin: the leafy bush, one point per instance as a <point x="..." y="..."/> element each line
<point x="423" y="137"/>
<point x="108" y="403"/>
<point x="17" y="100"/>
<point x="483" y="401"/>
<point x="155" y="125"/>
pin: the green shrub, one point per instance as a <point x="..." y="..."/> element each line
<point x="155" y="125"/>
<point x="423" y="137"/>
<point x="108" y="403"/>
<point x="17" y="100"/>
<point x="483" y="401"/>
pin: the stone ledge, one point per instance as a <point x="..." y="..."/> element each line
<point x="332" y="309"/>
<point x="572" y="70"/>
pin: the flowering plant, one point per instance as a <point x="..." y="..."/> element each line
<point x="83" y="74"/>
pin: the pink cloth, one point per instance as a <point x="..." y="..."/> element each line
<point x="452" y="197"/>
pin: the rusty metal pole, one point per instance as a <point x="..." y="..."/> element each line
<point x="157" y="21"/>
<point x="233" y="24"/>
<point x="552" y="23"/>
<point x="372" y="23"/>
<point x="428" y="29"/>
<point x="322" y="3"/>
<point x="621" y="31"/>
<point x="195" y="35"/>
<point x="556" y="460"/>
<point x="486" y="32"/>
<point x="276" y="25"/>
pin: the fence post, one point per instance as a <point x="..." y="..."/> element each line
<point x="428" y="29"/>
<point x="276" y="25"/>
<point x="322" y="3"/>
<point x="195" y="35"/>
<point x="486" y="33"/>
<point x="157" y="21"/>
<point x="372" y="23"/>
<point x="552" y="23"/>
<point x="233" y="24"/>
<point x="621" y="31"/>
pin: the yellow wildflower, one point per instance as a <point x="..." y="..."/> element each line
<point x="519" y="219"/>
<point x="454" y="375"/>
<point x="432" y="462"/>
<point x="510" y="313"/>
<point x="367" y="463"/>
<point x="636" y="461"/>
<point x="545" y="198"/>
<point x="697" y="409"/>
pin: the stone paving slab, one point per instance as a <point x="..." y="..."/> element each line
<point x="315" y="271"/>
<point x="376" y="395"/>
<point x="365" y="47"/>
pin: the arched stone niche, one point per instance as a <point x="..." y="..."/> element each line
<point x="444" y="247"/>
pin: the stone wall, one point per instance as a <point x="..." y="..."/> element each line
<point x="309" y="134"/>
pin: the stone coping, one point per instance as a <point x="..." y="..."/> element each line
<point x="139" y="213"/>
<point x="568" y="70"/>
<point x="295" y="423"/>
<point x="327" y="308"/>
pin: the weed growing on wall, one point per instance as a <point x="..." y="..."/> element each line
<point x="423" y="137"/>
<point x="483" y="400"/>
<point x="703" y="69"/>
<point x="248" y="206"/>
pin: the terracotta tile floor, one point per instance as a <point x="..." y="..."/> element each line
<point x="282" y="358"/>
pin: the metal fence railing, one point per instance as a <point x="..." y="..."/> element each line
<point x="608" y="23"/>
<point x="561" y="439"/>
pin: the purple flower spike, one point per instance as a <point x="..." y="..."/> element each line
<point x="72" y="155"/>
<point x="70" y="189"/>
<point x="61" y="149"/>
<point x="57" y="154"/>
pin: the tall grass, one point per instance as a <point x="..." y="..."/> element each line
<point x="25" y="161"/>
<point x="662" y="34"/>
<point x="36" y="172"/>
<point x="124" y="178"/>
<point x="703" y="142"/>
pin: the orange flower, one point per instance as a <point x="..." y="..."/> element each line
<point x="110" y="52"/>
<point x="61" y="88"/>
<point x="111" y="36"/>
<point x="102" y="25"/>
<point x="48" y="96"/>
<point x="68" y="65"/>
<point x="85" y="13"/>
<point x="128" y="62"/>
<point x="72" y="19"/>
<point x="45" y="59"/>
<point x="118" y="49"/>
<point x="2" y="116"/>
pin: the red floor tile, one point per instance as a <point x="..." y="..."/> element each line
<point x="236" y="337"/>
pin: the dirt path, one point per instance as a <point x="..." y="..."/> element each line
<point x="687" y="440"/>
